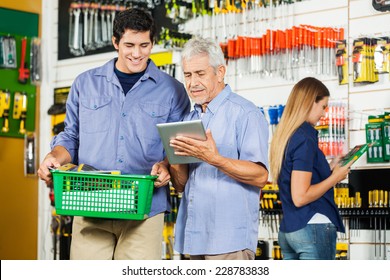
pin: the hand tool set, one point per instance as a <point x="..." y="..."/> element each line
<point x="9" y="46"/>
<point x="270" y="209"/>
<point x="378" y="136"/>
<point x="260" y="39"/>
<point x="169" y="227"/>
<point x="283" y="53"/>
<point x="354" y="209"/>
<point x="331" y="130"/>
<point x="90" y="25"/>
<point x="342" y="61"/>
<point x="16" y="104"/>
<point x="370" y="58"/>
<point x="363" y="62"/>
<point x="20" y="67"/>
<point x="371" y="205"/>
<point x="171" y="39"/>
<point x="91" y="21"/>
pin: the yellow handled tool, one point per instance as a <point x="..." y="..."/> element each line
<point x="20" y="110"/>
<point x="5" y="98"/>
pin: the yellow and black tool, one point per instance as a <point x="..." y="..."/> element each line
<point x="342" y="62"/>
<point x="20" y="110"/>
<point x="68" y="166"/>
<point x="2" y="103"/>
<point x="23" y="115"/>
<point x="5" y="101"/>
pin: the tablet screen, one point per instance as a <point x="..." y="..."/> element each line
<point x="167" y="131"/>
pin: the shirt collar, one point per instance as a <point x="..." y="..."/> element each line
<point x="107" y="70"/>
<point x="216" y="102"/>
<point x="309" y="130"/>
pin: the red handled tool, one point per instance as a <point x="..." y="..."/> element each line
<point x="24" y="72"/>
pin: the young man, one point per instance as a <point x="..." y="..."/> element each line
<point x="111" y="117"/>
<point x="219" y="211"/>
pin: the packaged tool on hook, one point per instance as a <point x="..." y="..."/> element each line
<point x="342" y="62"/>
<point x="5" y="102"/>
<point x="29" y="154"/>
<point x="9" y="52"/>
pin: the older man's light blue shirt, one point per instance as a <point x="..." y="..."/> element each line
<point x="218" y="214"/>
<point x="108" y="130"/>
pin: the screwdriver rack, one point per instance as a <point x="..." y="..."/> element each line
<point x="365" y="212"/>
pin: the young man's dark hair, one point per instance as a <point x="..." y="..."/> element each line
<point x="135" y="19"/>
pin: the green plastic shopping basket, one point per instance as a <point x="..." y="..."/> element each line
<point x="97" y="195"/>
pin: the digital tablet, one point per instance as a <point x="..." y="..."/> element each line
<point x="354" y="154"/>
<point x="168" y="131"/>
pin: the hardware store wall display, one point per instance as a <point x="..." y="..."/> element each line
<point x="86" y="28"/>
<point x="358" y="19"/>
<point x="18" y="193"/>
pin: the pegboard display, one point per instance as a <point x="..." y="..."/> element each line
<point x="17" y="94"/>
<point x="85" y="27"/>
<point x="17" y="99"/>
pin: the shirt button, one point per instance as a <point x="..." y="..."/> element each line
<point x="120" y="160"/>
<point x="123" y="114"/>
<point x="94" y="106"/>
<point x="121" y="137"/>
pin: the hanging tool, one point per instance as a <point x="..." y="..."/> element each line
<point x="341" y="62"/>
<point x="9" y="52"/>
<point x="24" y="71"/>
<point x="85" y="10"/>
<point x="273" y="118"/>
<point x="23" y="115"/>
<point x="65" y="237"/>
<point x="35" y="61"/>
<point x="103" y="24"/>
<point x="1" y="51"/>
<point x="375" y="204"/>
<point x="76" y="36"/>
<point x="97" y="38"/>
<point x="4" y="109"/>
<point x="20" y="109"/>
<point x="385" y="233"/>
<point x="381" y="5"/>
<point x="75" y="31"/>
<point x="55" y="230"/>
<point x="29" y="154"/>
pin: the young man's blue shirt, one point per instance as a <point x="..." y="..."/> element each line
<point x="110" y="130"/>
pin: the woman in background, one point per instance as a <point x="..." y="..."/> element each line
<point x="311" y="219"/>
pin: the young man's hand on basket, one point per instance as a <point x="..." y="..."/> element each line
<point x="57" y="157"/>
